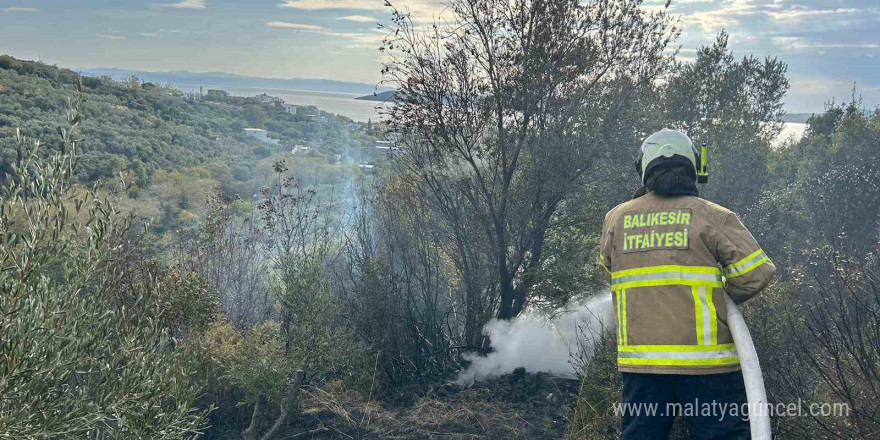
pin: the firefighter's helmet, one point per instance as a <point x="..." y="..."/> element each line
<point x="671" y="145"/>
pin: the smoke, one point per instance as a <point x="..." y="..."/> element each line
<point x="538" y="343"/>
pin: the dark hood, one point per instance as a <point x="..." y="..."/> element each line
<point x="672" y="177"/>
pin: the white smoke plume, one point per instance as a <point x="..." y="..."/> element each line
<point x="537" y="343"/>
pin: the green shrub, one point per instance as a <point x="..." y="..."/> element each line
<point x="7" y="62"/>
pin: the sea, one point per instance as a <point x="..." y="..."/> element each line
<point x="338" y="103"/>
<point x="363" y="111"/>
<point x="791" y="131"/>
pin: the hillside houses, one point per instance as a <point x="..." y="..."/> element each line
<point x="310" y="111"/>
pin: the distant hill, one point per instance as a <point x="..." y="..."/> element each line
<point x="799" y="118"/>
<point x="192" y="80"/>
<point x="380" y="97"/>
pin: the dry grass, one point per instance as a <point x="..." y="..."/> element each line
<point x="493" y="411"/>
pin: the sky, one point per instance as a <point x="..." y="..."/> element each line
<point x="829" y="45"/>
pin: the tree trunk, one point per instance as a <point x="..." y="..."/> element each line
<point x="505" y="309"/>
<point x="287" y="411"/>
<point x="251" y="432"/>
<point x="528" y="280"/>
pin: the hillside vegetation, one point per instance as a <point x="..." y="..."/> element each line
<point x="173" y="152"/>
<point x="165" y="277"/>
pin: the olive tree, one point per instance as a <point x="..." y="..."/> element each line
<point x="72" y="365"/>
<point x="502" y="105"/>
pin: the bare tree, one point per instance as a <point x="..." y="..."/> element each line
<point x="296" y="224"/>
<point x="839" y="348"/>
<point x="400" y="287"/>
<point x="502" y="106"/>
<point x="297" y="229"/>
<point x="228" y="252"/>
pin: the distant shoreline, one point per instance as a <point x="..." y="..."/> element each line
<point x="225" y="80"/>
<point x="337" y="103"/>
<point x="192" y="87"/>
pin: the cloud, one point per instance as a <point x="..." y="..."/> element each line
<point x="317" y="5"/>
<point x="797" y="14"/>
<point x="839" y="46"/>
<point x="826" y="88"/>
<point x="185" y="4"/>
<point x="359" y="40"/>
<point x="420" y="10"/>
<point x="110" y="37"/>
<point x="841" y="90"/>
<point x="147" y="34"/>
<point x="19" y="9"/>
<point x="787" y="42"/>
<point x="796" y="43"/>
<point x="356" y="40"/>
<point x="811" y="93"/>
<point x="360" y="19"/>
<point x="662" y="3"/>
<point x="294" y="26"/>
<point x="764" y="15"/>
<point x="713" y="20"/>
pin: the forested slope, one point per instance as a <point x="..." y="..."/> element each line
<point x="143" y="127"/>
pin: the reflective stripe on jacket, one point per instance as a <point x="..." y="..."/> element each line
<point x="669" y="260"/>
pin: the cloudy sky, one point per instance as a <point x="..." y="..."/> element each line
<point x="828" y="44"/>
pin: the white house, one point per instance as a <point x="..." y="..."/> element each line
<point x="260" y="134"/>
<point x="257" y="133"/>
<point x="386" y="145"/>
<point x="265" y="99"/>
<point x="193" y="96"/>
<point x="300" y="148"/>
<point x="289" y="108"/>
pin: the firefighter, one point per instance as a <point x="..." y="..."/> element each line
<point x="670" y="256"/>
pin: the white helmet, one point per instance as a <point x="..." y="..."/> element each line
<point x="664" y="145"/>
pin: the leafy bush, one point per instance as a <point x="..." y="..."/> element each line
<point x="189" y="303"/>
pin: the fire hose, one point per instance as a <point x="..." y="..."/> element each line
<point x="759" y="419"/>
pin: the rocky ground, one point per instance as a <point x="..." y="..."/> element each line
<point x="513" y="406"/>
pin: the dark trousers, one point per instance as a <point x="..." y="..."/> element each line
<point x="707" y="403"/>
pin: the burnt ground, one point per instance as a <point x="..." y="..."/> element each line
<point x="513" y="406"/>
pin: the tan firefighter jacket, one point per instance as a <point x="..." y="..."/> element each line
<point x="669" y="260"/>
